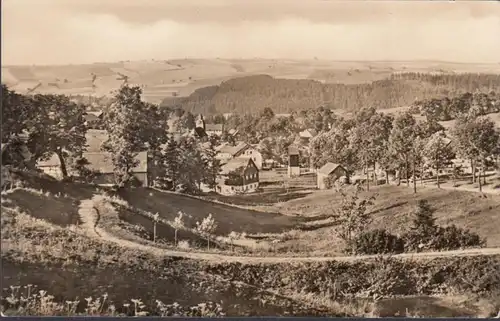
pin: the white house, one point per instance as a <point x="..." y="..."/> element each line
<point x="227" y="152"/>
<point x="214" y="129"/>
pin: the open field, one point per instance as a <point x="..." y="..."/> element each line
<point x="162" y="79"/>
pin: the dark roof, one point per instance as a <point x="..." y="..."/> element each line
<point x="237" y="164"/>
<point x="328" y="168"/>
<point x="101" y="162"/>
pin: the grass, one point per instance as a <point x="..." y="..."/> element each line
<point x="69" y="264"/>
<point x="228" y="218"/>
<point x="392" y="210"/>
<point x="72" y="265"/>
<point x="57" y="209"/>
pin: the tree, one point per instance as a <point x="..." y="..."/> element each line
<point x="172" y="162"/>
<point x="403" y="134"/>
<point x="59" y="128"/>
<point x="206" y="228"/>
<point x="439" y="153"/>
<point x="333" y="146"/>
<point x="423" y="228"/>
<point x="178" y="224"/>
<point x="212" y="165"/>
<point x="369" y="138"/>
<point x="477" y="140"/>
<point x="192" y="168"/>
<point x="17" y="114"/>
<point x="128" y="125"/>
<point x="352" y="214"/>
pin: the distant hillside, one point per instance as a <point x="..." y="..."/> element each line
<point x="164" y="79"/>
<point x="254" y="93"/>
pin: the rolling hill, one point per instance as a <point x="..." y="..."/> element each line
<point x="182" y="77"/>
<point x="251" y="94"/>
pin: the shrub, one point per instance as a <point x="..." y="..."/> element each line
<point x="452" y="237"/>
<point x="426" y="235"/>
<point x="183" y="245"/>
<point x="377" y="242"/>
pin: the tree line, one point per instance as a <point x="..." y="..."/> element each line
<point x="54" y="124"/>
<point x="402" y="146"/>
<point x="252" y="94"/>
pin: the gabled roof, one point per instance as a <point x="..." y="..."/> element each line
<point x="101" y="162"/>
<point x="213" y="127"/>
<point x="237" y="164"/>
<point x="93" y="115"/>
<point x="308" y="133"/>
<point x="233" y="131"/>
<point x="234" y="150"/>
<point x="328" y="168"/>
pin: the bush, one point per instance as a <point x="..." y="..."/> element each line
<point x="452" y="238"/>
<point x="377" y="242"/>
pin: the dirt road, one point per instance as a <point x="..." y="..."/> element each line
<point x="89" y="215"/>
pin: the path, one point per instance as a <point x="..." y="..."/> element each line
<point x="485" y="190"/>
<point x="88" y="216"/>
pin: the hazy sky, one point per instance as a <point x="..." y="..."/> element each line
<point x="86" y="31"/>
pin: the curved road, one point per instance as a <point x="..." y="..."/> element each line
<point x="89" y="217"/>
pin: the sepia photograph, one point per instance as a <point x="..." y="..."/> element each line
<point x="236" y="158"/>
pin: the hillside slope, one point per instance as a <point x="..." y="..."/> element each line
<point x="251" y="94"/>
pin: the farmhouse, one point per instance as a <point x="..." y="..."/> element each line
<point x="239" y="175"/>
<point x="307" y="135"/>
<point x="99" y="162"/>
<point x="330" y="173"/>
<point x="227" y="152"/>
<point x="214" y="129"/>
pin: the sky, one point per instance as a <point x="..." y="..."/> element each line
<point x="88" y="31"/>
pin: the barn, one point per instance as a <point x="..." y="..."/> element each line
<point x="330" y="172"/>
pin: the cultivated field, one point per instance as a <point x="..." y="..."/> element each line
<point x="162" y="79"/>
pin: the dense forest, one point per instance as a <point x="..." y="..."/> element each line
<point x="254" y="93"/>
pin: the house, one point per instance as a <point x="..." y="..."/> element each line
<point x="227" y="152"/>
<point x="214" y="129"/>
<point x="253" y="153"/>
<point x="330" y="172"/>
<point x="238" y="175"/>
<point x="93" y="116"/>
<point x="307" y="135"/>
<point x="101" y="163"/>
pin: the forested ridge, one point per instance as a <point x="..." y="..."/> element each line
<point x="252" y="94"/>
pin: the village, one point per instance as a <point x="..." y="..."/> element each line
<point x="283" y="158"/>
<point x="245" y="163"/>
